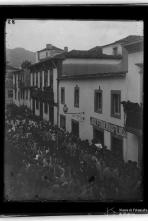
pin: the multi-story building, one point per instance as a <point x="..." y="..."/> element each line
<point x="9" y="83"/>
<point x="21" y="87"/>
<point x="94" y="94"/>
<point x="44" y="84"/>
<point x="92" y="86"/>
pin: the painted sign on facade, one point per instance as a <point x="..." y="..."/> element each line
<point x="115" y="129"/>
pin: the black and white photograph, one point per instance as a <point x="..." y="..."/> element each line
<point x="73" y="110"/>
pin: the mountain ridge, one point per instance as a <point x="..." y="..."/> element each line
<point x="17" y="55"/>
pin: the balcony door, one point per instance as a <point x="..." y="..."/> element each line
<point x="41" y="110"/>
<point x="33" y="106"/>
<point x="51" y="114"/>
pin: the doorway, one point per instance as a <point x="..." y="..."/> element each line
<point x="98" y="136"/>
<point x="75" y="128"/>
<point x="117" y="147"/>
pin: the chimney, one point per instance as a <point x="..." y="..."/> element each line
<point x="66" y="49"/>
<point x="49" y="46"/>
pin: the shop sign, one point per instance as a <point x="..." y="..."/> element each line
<point x="78" y="117"/>
<point x="112" y="128"/>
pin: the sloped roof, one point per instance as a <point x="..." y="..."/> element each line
<point x="90" y="54"/>
<point x="52" y="48"/>
<point x="95" y="69"/>
<point x="127" y="40"/>
<point x="77" y="54"/>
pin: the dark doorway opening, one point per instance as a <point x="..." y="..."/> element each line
<point x="117" y="147"/>
<point x="98" y="136"/>
<point x="75" y="127"/>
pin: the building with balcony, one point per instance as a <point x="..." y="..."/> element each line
<point x="9" y="83"/>
<point x="44" y="84"/>
<point x="92" y="86"/>
<point x="21" y="87"/>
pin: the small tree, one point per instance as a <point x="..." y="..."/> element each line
<point x="25" y="64"/>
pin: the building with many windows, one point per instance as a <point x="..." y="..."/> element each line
<point x="21" y="87"/>
<point x="44" y="84"/>
<point x="94" y="94"/>
<point x="92" y="86"/>
<point x="9" y="83"/>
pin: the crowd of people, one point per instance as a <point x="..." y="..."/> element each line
<point x="67" y="159"/>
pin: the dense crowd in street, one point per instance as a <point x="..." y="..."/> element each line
<point x="66" y="160"/>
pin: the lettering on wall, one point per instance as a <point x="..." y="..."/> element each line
<point x="115" y="129"/>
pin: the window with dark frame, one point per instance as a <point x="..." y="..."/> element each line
<point x="115" y="50"/>
<point x="15" y="94"/>
<point x="46" y="78"/>
<point x="45" y="108"/>
<point x="116" y="103"/>
<point x="62" y="95"/>
<point x="76" y="96"/>
<point x="40" y="79"/>
<point x="62" y="121"/>
<point x="51" y="78"/>
<point x="33" y="83"/>
<point x="98" y="101"/>
<point x="26" y="94"/>
<point x="37" y="104"/>
<point x="36" y="79"/>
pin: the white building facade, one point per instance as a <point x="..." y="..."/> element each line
<point x="99" y="92"/>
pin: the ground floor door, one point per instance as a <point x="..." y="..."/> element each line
<point x="75" y="127"/>
<point x="41" y="110"/>
<point x="117" y="147"/>
<point x="62" y="121"/>
<point x="51" y="115"/>
<point x="33" y="106"/>
<point x="98" y="136"/>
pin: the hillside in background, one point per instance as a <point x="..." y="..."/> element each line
<point x="17" y="55"/>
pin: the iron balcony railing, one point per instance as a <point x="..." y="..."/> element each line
<point x="46" y="94"/>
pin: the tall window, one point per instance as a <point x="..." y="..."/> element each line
<point x="45" y="78"/>
<point x="51" y="78"/>
<point x="62" y="95"/>
<point x="26" y="94"/>
<point x="45" y="108"/>
<point x="33" y="83"/>
<point x="76" y="96"/>
<point x="23" y="94"/>
<point x="37" y="79"/>
<point x="98" y="101"/>
<point x="115" y="50"/>
<point x="116" y="104"/>
<point x="40" y="79"/>
<point x="37" y="104"/>
<point x="15" y="94"/>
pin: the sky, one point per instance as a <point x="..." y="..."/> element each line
<point x="33" y="35"/>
